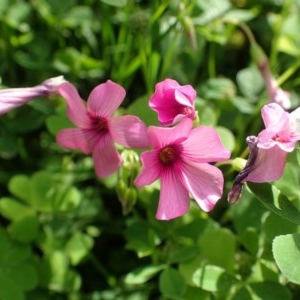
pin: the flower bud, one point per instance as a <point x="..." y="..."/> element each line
<point x="14" y="97"/>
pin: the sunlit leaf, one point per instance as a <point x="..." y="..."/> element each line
<point x="286" y="250"/>
<point x="172" y="284"/>
<point x="213" y="279"/>
<point x="269" y="196"/>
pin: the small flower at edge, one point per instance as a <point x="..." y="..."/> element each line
<point x="173" y="102"/>
<point x="98" y="128"/>
<point x="14" y="97"/>
<point x="269" y="149"/>
<point x="180" y="160"/>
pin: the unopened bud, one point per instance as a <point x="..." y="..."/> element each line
<point x="15" y="97"/>
<point x="129" y="201"/>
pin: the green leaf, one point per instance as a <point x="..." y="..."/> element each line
<point x="17" y="270"/>
<point x="140" y="107"/>
<point x="193" y="293"/>
<point x="9" y="290"/>
<point x="227" y="138"/>
<point x="118" y="3"/>
<point x="212" y="241"/>
<point x="288" y="184"/>
<point x="8" y="145"/>
<point x="14" y="210"/>
<point x="78" y="247"/>
<point x="273" y="225"/>
<point x="141" y="238"/>
<point x="142" y="274"/>
<point x="184" y="253"/>
<point x="20" y="187"/>
<point x="172" y="284"/>
<point x="250" y="83"/>
<point x="270" y="290"/>
<point x="286" y="251"/>
<point x="27" y="279"/>
<point x="246" y="216"/>
<point x="213" y="279"/>
<point x="269" y="196"/>
<point x="57" y="275"/>
<point x="56" y="123"/>
<point x="241" y="15"/>
<point x="220" y="89"/>
<point x="25" y="229"/>
<point x="42" y="183"/>
<point x="78" y="15"/>
<point x="207" y="114"/>
<point x="36" y="191"/>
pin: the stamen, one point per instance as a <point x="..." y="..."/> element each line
<point x="167" y="155"/>
<point x="188" y="111"/>
<point x="101" y="124"/>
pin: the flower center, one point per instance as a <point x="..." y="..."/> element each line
<point x="279" y="138"/>
<point x="167" y="155"/>
<point x="188" y="111"/>
<point x="101" y="124"/>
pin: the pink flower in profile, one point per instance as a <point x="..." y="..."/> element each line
<point x="98" y="129"/>
<point x="180" y="159"/>
<point x="274" y="142"/>
<point x="173" y="102"/>
<point x="14" y="97"/>
<point x="278" y="95"/>
<point x="269" y="149"/>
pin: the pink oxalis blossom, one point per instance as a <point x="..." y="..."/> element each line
<point x="13" y="97"/>
<point x="173" y="102"/>
<point x="98" y="128"/>
<point x="278" y="95"/>
<point x="269" y="149"/>
<point x="274" y="142"/>
<point x="275" y="93"/>
<point x="180" y="159"/>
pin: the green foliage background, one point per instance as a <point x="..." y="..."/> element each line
<point x="63" y="233"/>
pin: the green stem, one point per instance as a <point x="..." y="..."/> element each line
<point x="288" y="73"/>
<point x="277" y="32"/>
<point x="111" y="281"/>
<point x="211" y="61"/>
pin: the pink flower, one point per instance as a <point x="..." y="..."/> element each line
<point x="14" y="97"/>
<point x="98" y="129"/>
<point x="274" y="142"/>
<point x="173" y="102"/>
<point x="276" y="94"/>
<point x="180" y="159"/>
<point x="268" y="151"/>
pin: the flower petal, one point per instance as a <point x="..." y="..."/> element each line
<point x="274" y="116"/>
<point x="204" y="182"/>
<point x="105" y="99"/>
<point x="107" y="159"/>
<point x="151" y="168"/>
<point x="204" y="145"/>
<point x="170" y="100"/>
<point x="76" y="109"/>
<point x="129" y="131"/>
<point x="76" y="138"/>
<point x="14" y="97"/>
<point x="295" y="123"/>
<point x="174" y="198"/>
<point x="268" y="166"/>
<point x="185" y="95"/>
<point x="161" y="137"/>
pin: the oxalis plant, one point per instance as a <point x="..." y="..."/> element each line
<point x="171" y="173"/>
